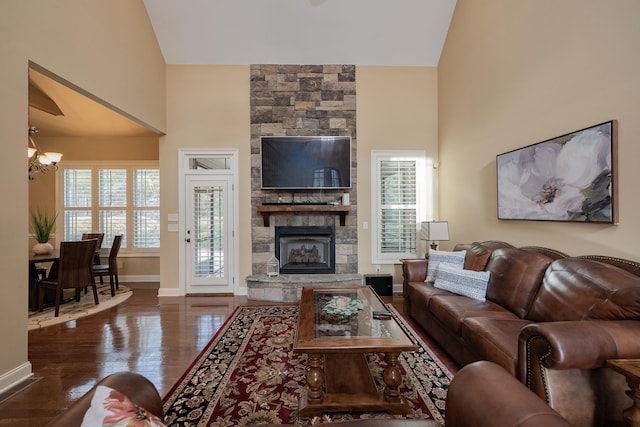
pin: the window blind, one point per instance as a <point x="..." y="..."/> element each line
<point x="398" y="198"/>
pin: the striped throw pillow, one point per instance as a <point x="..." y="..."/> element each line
<point x="454" y="259"/>
<point x="472" y="284"/>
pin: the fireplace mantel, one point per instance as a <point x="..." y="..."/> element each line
<point x="267" y="210"/>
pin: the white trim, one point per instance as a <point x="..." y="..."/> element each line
<point x="79" y="164"/>
<point x="104" y="253"/>
<point x="169" y="292"/>
<point x="138" y="278"/>
<point x="15" y="376"/>
<point x="183" y="169"/>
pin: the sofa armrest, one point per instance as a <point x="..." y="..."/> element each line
<point x="584" y="344"/>
<point x="136" y="387"/>
<point x="484" y="394"/>
<point x="414" y="270"/>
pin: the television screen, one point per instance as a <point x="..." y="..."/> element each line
<point x="306" y="162"/>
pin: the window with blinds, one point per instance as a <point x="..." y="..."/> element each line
<point x="112" y="198"/>
<point x="396" y="180"/>
<point x="146" y="211"/>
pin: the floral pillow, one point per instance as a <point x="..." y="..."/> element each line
<point x="111" y="408"/>
<point x="453" y="259"/>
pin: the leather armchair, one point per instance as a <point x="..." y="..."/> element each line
<point x="135" y="386"/>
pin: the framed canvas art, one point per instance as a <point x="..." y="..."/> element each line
<point x="568" y="178"/>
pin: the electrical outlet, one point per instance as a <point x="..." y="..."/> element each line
<point x="377" y="269"/>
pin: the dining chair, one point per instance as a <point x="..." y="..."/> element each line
<point x="74" y="271"/>
<point x="100" y="237"/>
<point x="110" y="269"/>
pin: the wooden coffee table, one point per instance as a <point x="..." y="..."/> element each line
<point x="338" y="376"/>
<point x="630" y="368"/>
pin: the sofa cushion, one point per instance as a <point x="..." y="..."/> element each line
<point x="494" y="339"/>
<point x="583" y="289"/>
<point x="452" y="309"/>
<point x="109" y="407"/>
<point x="477" y="255"/>
<point x="515" y="278"/>
<point x="420" y="293"/>
<point x="472" y="284"/>
<point x="455" y="259"/>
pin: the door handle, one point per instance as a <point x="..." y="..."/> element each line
<point x="187" y="240"/>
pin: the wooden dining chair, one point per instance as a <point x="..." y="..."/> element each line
<point x="74" y="271"/>
<point x="100" y="237"/>
<point x="110" y="269"/>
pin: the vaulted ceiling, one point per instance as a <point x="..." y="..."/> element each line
<point x="360" y="32"/>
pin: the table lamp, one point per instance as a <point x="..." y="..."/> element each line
<point x="434" y="231"/>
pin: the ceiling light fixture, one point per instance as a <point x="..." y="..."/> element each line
<point x="40" y="161"/>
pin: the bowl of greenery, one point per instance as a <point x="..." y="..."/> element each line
<point x="42" y="224"/>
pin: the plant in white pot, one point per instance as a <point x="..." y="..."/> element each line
<point x="42" y="224"/>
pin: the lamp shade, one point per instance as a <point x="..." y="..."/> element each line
<point x="434" y="230"/>
<point x="53" y="156"/>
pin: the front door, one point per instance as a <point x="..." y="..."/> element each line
<point x="209" y="234"/>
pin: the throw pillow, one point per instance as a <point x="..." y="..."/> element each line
<point x="472" y="284"/>
<point x="111" y="408"/>
<point x="455" y="259"/>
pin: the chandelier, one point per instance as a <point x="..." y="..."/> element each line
<point x="40" y="161"/>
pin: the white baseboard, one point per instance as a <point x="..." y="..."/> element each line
<point x="15" y="376"/>
<point x="139" y="278"/>
<point x="397" y="288"/>
<point x="169" y="292"/>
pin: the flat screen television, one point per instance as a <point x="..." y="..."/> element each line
<point x="306" y="162"/>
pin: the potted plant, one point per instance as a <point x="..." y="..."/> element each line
<point x="42" y="223"/>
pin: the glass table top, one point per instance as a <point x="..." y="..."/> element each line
<point x="347" y="314"/>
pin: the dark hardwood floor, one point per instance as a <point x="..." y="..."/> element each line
<point x="158" y="338"/>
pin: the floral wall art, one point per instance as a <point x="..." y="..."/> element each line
<point x="568" y="178"/>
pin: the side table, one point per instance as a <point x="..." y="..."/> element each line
<point x="630" y="368"/>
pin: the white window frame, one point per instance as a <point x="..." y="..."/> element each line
<point x="95" y="165"/>
<point x="377" y="156"/>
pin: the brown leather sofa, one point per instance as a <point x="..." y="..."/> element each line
<point x="480" y="395"/>
<point x="549" y="319"/>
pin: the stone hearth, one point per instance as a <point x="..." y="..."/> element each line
<point x="288" y="287"/>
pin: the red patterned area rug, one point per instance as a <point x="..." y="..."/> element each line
<point x="248" y="374"/>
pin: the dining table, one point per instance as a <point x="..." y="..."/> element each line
<point x="35" y="261"/>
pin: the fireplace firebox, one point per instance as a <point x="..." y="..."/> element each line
<point x="306" y="250"/>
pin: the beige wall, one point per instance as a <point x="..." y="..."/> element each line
<point x="75" y="40"/>
<point x="208" y="107"/>
<point x="397" y="110"/>
<point x="516" y="73"/>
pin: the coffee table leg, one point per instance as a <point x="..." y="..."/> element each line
<point x="315" y="378"/>
<point x="632" y="413"/>
<point x="392" y="378"/>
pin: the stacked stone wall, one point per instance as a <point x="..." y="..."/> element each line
<point x="308" y="100"/>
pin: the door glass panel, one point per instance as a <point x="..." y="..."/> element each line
<point x="209" y="163"/>
<point x="208" y="231"/>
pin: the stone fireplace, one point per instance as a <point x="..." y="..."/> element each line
<point x="298" y="100"/>
<point x="306" y="250"/>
